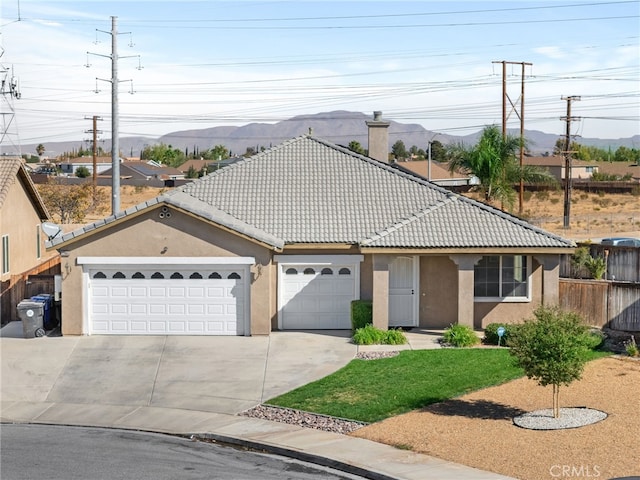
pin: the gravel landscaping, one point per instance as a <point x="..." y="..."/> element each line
<point x="478" y="429"/>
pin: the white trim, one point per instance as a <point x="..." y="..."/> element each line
<point x="526" y="299"/>
<point x="318" y="259"/>
<point x="129" y="261"/>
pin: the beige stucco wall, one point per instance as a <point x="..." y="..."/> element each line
<point x="183" y="236"/>
<point x="20" y="220"/>
<point x="438" y="292"/>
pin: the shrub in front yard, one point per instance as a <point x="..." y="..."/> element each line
<point x="370" y="335"/>
<point x="460" y="336"/>
<point x="361" y="314"/>
<point x="491" y="333"/>
<point x="395" y="337"/>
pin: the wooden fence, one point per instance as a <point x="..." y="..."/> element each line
<point x="25" y="285"/>
<point x="609" y="304"/>
<point x="623" y="263"/>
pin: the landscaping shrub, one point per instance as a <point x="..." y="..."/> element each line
<point x="460" y="336"/>
<point x="395" y="336"/>
<point x="491" y="333"/>
<point x="368" y="335"/>
<point x="594" y="339"/>
<point x="361" y="314"/>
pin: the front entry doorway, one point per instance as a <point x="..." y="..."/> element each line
<point x="403" y="292"/>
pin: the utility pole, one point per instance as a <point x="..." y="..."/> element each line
<point x="567" y="161"/>
<point x="520" y="114"/>
<point x="115" y="135"/>
<point x="94" y="149"/>
<point x="9" y="91"/>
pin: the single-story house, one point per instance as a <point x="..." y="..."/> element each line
<point x="146" y="170"/>
<point x="22" y="240"/>
<point x="288" y="238"/>
<point x="70" y="165"/>
<point x="438" y="173"/>
<point x="556" y="167"/>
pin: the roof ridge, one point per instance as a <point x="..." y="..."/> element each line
<point x="414" y="217"/>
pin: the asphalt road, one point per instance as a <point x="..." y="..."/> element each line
<point x="78" y="453"/>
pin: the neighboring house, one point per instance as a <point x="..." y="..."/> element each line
<point x="70" y="165"/>
<point x="146" y="170"/>
<point x="21" y="237"/>
<point x="556" y="166"/>
<point x="621" y="169"/>
<point x="210" y="165"/>
<point x="438" y="173"/>
<point x="288" y="238"/>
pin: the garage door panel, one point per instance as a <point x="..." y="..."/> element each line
<point x="177" y="292"/>
<point x="317" y="300"/>
<point x="164" y="305"/>
<point x="176" y="309"/>
<point x="138" y="309"/>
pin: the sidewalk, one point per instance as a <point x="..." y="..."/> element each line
<point x="35" y="370"/>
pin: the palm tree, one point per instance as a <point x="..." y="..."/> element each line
<point x="40" y="149"/>
<point x="493" y="160"/>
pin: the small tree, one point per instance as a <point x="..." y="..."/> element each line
<point x="82" y="172"/>
<point x="552" y="349"/>
<point x="69" y="203"/>
<point x="40" y="149"/>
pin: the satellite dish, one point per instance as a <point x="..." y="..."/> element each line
<point x="51" y="230"/>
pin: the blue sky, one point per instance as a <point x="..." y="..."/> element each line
<point x="211" y="63"/>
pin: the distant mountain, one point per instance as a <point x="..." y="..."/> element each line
<point x="339" y="127"/>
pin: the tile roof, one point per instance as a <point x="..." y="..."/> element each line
<point x="306" y="190"/>
<point x="11" y="168"/>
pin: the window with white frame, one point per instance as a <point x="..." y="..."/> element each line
<point x="502" y="277"/>
<point x="5" y="254"/>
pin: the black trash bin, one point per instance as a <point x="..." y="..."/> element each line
<point x="32" y="315"/>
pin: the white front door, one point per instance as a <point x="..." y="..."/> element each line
<point x="403" y="288"/>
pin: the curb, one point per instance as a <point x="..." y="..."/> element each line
<point x="291" y="453"/>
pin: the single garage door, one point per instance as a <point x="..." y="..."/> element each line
<point x="317" y="294"/>
<point x="167" y="301"/>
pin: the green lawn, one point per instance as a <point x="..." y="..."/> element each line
<point x="370" y="391"/>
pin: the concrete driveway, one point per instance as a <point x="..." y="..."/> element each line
<point x="208" y="374"/>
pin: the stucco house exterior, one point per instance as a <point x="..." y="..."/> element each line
<point x="556" y="167"/>
<point x="287" y="238"/>
<point x="22" y="240"/>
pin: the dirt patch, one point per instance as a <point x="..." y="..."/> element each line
<point x="477" y="429"/>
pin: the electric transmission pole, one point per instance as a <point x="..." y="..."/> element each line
<point x="94" y="150"/>
<point x="115" y="136"/>
<point x="567" y="161"/>
<point x="514" y="108"/>
<point x="9" y="91"/>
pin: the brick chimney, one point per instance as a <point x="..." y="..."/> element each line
<point x="378" y="137"/>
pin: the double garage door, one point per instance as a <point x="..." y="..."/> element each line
<point x="168" y="300"/>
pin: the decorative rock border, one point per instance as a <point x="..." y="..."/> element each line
<point x="569" y="418"/>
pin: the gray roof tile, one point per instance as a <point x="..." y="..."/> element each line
<point x="306" y="190"/>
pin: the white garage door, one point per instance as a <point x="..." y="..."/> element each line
<point x="317" y="294"/>
<point x="167" y="301"/>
